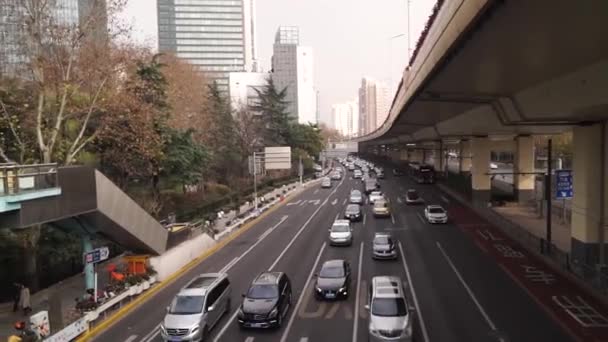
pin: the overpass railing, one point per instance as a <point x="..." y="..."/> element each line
<point x="16" y="179"/>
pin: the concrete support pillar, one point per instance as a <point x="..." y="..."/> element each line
<point x="480" y="148"/>
<point x="440" y="159"/>
<point x="590" y="193"/>
<point x="416" y="156"/>
<point x="403" y="154"/>
<point x="89" y="270"/>
<point x="524" y="184"/>
<point x="464" y="156"/>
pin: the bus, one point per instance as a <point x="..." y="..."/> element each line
<point x="423" y="174"/>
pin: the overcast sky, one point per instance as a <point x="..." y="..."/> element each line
<point x="350" y="38"/>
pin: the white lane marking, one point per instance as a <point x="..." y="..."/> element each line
<point x="357" y="294"/>
<point x="443" y="198"/>
<point x="315" y="192"/>
<point x="152" y="334"/>
<point x="274" y="264"/>
<point x="337" y="215"/>
<point x="304" y="339"/>
<point x="249" y="339"/>
<point x="344" y="202"/>
<point x="466" y="286"/>
<point x="399" y="200"/>
<point x="420" y="218"/>
<point x="364" y="219"/>
<point x="293" y="203"/>
<point x="225" y="327"/>
<point x="131" y="338"/>
<point x="425" y="333"/>
<point x="393" y="218"/>
<point x="295" y="310"/>
<point x="315" y="202"/>
<point x="334" y="202"/>
<point x="230" y="264"/>
<point x="303" y="203"/>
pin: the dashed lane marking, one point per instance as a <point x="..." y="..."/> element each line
<point x="131" y="338"/>
<point x="152" y="334"/>
<point x="344" y="202"/>
<point x="334" y="202"/>
<point x="357" y="293"/>
<point x="293" y="203"/>
<point x="425" y="333"/>
<point x="420" y="218"/>
<point x="250" y="339"/>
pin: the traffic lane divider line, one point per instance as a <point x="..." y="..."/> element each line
<point x="120" y="313"/>
<point x="425" y="333"/>
<point x="357" y="295"/>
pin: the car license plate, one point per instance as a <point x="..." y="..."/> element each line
<point x="175" y="338"/>
<point x="330" y="295"/>
<point x="256" y="325"/>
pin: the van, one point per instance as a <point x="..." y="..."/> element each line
<point x="197" y="308"/>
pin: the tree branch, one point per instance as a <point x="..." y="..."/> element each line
<point x="4" y="156"/>
<point x="84" y="143"/>
<point x="85" y="123"/>
<point x="39" y="110"/>
<point x="10" y="123"/>
<point x="64" y="97"/>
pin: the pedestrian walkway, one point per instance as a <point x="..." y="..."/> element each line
<point x="528" y="219"/>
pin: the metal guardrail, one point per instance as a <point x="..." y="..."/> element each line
<point x="15" y="179"/>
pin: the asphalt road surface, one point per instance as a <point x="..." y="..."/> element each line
<point x="459" y="293"/>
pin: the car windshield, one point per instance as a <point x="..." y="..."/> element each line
<point x="355" y="193"/>
<point x="332" y="272"/>
<point x="389" y="307"/>
<point x="380" y="204"/>
<point x="436" y="210"/>
<point x="340" y="228"/>
<point x="352" y="208"/>
<point x="263" y="292"/>
<point x="412" y="194"/>
<point x="382" y="240"/>
<point x="187" y="305"/>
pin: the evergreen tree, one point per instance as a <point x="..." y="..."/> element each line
<point x="276" y="119"/>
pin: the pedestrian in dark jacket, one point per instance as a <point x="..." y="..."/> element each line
<point x="16" y="296"/>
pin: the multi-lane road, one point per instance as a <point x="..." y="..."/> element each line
<point x="458" y="292"/>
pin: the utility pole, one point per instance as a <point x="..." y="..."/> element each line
<point x="548" y="193"/>
<point x="409" y="54"/>
<point x="255" y="181"/>
<point x="301" y="170"/>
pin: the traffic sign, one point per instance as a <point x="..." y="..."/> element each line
<point x="96" y="255"/>
<point x="563" y="184"/>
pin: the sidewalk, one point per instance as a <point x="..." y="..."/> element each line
<point x="527" y="218"/>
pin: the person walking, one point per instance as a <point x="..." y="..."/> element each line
<point x="16" y="296"/>
<point x="25" y="300"/>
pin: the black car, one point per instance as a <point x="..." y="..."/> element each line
<point x="397" y="172"/>
<point x="267" y="301"/>
<point x="353" y="212"/>
<point x="333" y="280"/>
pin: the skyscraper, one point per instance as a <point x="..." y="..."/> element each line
<point x="346" y="118"/>
<point x="217" y="36"/>
<point x="292" y="68"/>
<point x="65" y="13"/>
<point x="373" y="105"/>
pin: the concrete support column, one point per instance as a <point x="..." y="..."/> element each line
<point x="440" y="159"/>
<point x="481" y="184"/>
<point x="464" y="156"/>
<point x="589" y="202"/>
<point x="416" y="156"/>
<point x="524" y="184"/>
<point x="89" y="270"/>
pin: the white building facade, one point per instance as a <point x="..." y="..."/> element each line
<point x="345" y="118"/>
<point x="293" y="69"/>
<point x="217" y="36"/>
<point x="374" y="105"/>
<point x="243" y="86"/>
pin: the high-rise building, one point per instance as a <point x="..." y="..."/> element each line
<point x="373" y="105"/>
<point x="64" y="13"/>
<point x="292" y="68"/>
<point x="217" y="36"/>
<point x="345" y="118"/>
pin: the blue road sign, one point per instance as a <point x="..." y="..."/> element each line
<point x="96" y="255"/>
<point x="563" y="184"/>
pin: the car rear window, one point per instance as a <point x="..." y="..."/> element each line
<point x="382" y="240"/>
<point x="412" y="194"/>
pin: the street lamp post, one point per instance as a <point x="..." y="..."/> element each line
<point x="390" y="56"/>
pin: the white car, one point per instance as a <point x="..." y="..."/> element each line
<point x="375" y="195"/>
<point x="356" y="197"/>
<point x="341" y="233"/>
<point x="326" y="182"/>
<point x="435" y="214"/>
<point x="357" y="174"/>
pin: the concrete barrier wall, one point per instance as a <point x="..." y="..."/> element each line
<point x="175" y="258"/>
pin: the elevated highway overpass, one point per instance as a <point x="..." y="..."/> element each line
<point x="488" y="76"/>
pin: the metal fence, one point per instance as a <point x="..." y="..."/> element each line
<point x="15" y="179"/>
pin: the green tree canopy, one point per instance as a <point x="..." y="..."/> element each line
<point x="277" y="121"/>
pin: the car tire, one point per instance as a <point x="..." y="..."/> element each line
<point x="279" y="321"/>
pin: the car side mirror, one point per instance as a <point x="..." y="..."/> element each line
<point x="243" y="295"/>
<point x="367" y="307"/>
<point x="210" y="309"/>
<point x="167" y="308"/>
<point x="316" y="275"/>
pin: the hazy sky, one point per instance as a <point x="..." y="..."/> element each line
<point x="350" y="38"/>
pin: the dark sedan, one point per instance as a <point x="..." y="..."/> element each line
<point x="333" y="281"/>
<point x="267" y="301"/>
<point x="353" y="212"/>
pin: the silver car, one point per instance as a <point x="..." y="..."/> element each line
<point x="197" y="308"/>
<point x="383" y="247"/>
<point x="356" y="197"/>
<point x="341" y="233"/>
<point x="390" y="318"/>
<point x="326" y="182"/>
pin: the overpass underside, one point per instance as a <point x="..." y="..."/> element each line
<point x="492" y="74"/>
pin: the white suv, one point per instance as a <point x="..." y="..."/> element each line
<point x="341" y="233"/>
<point x="390" y="318"/>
